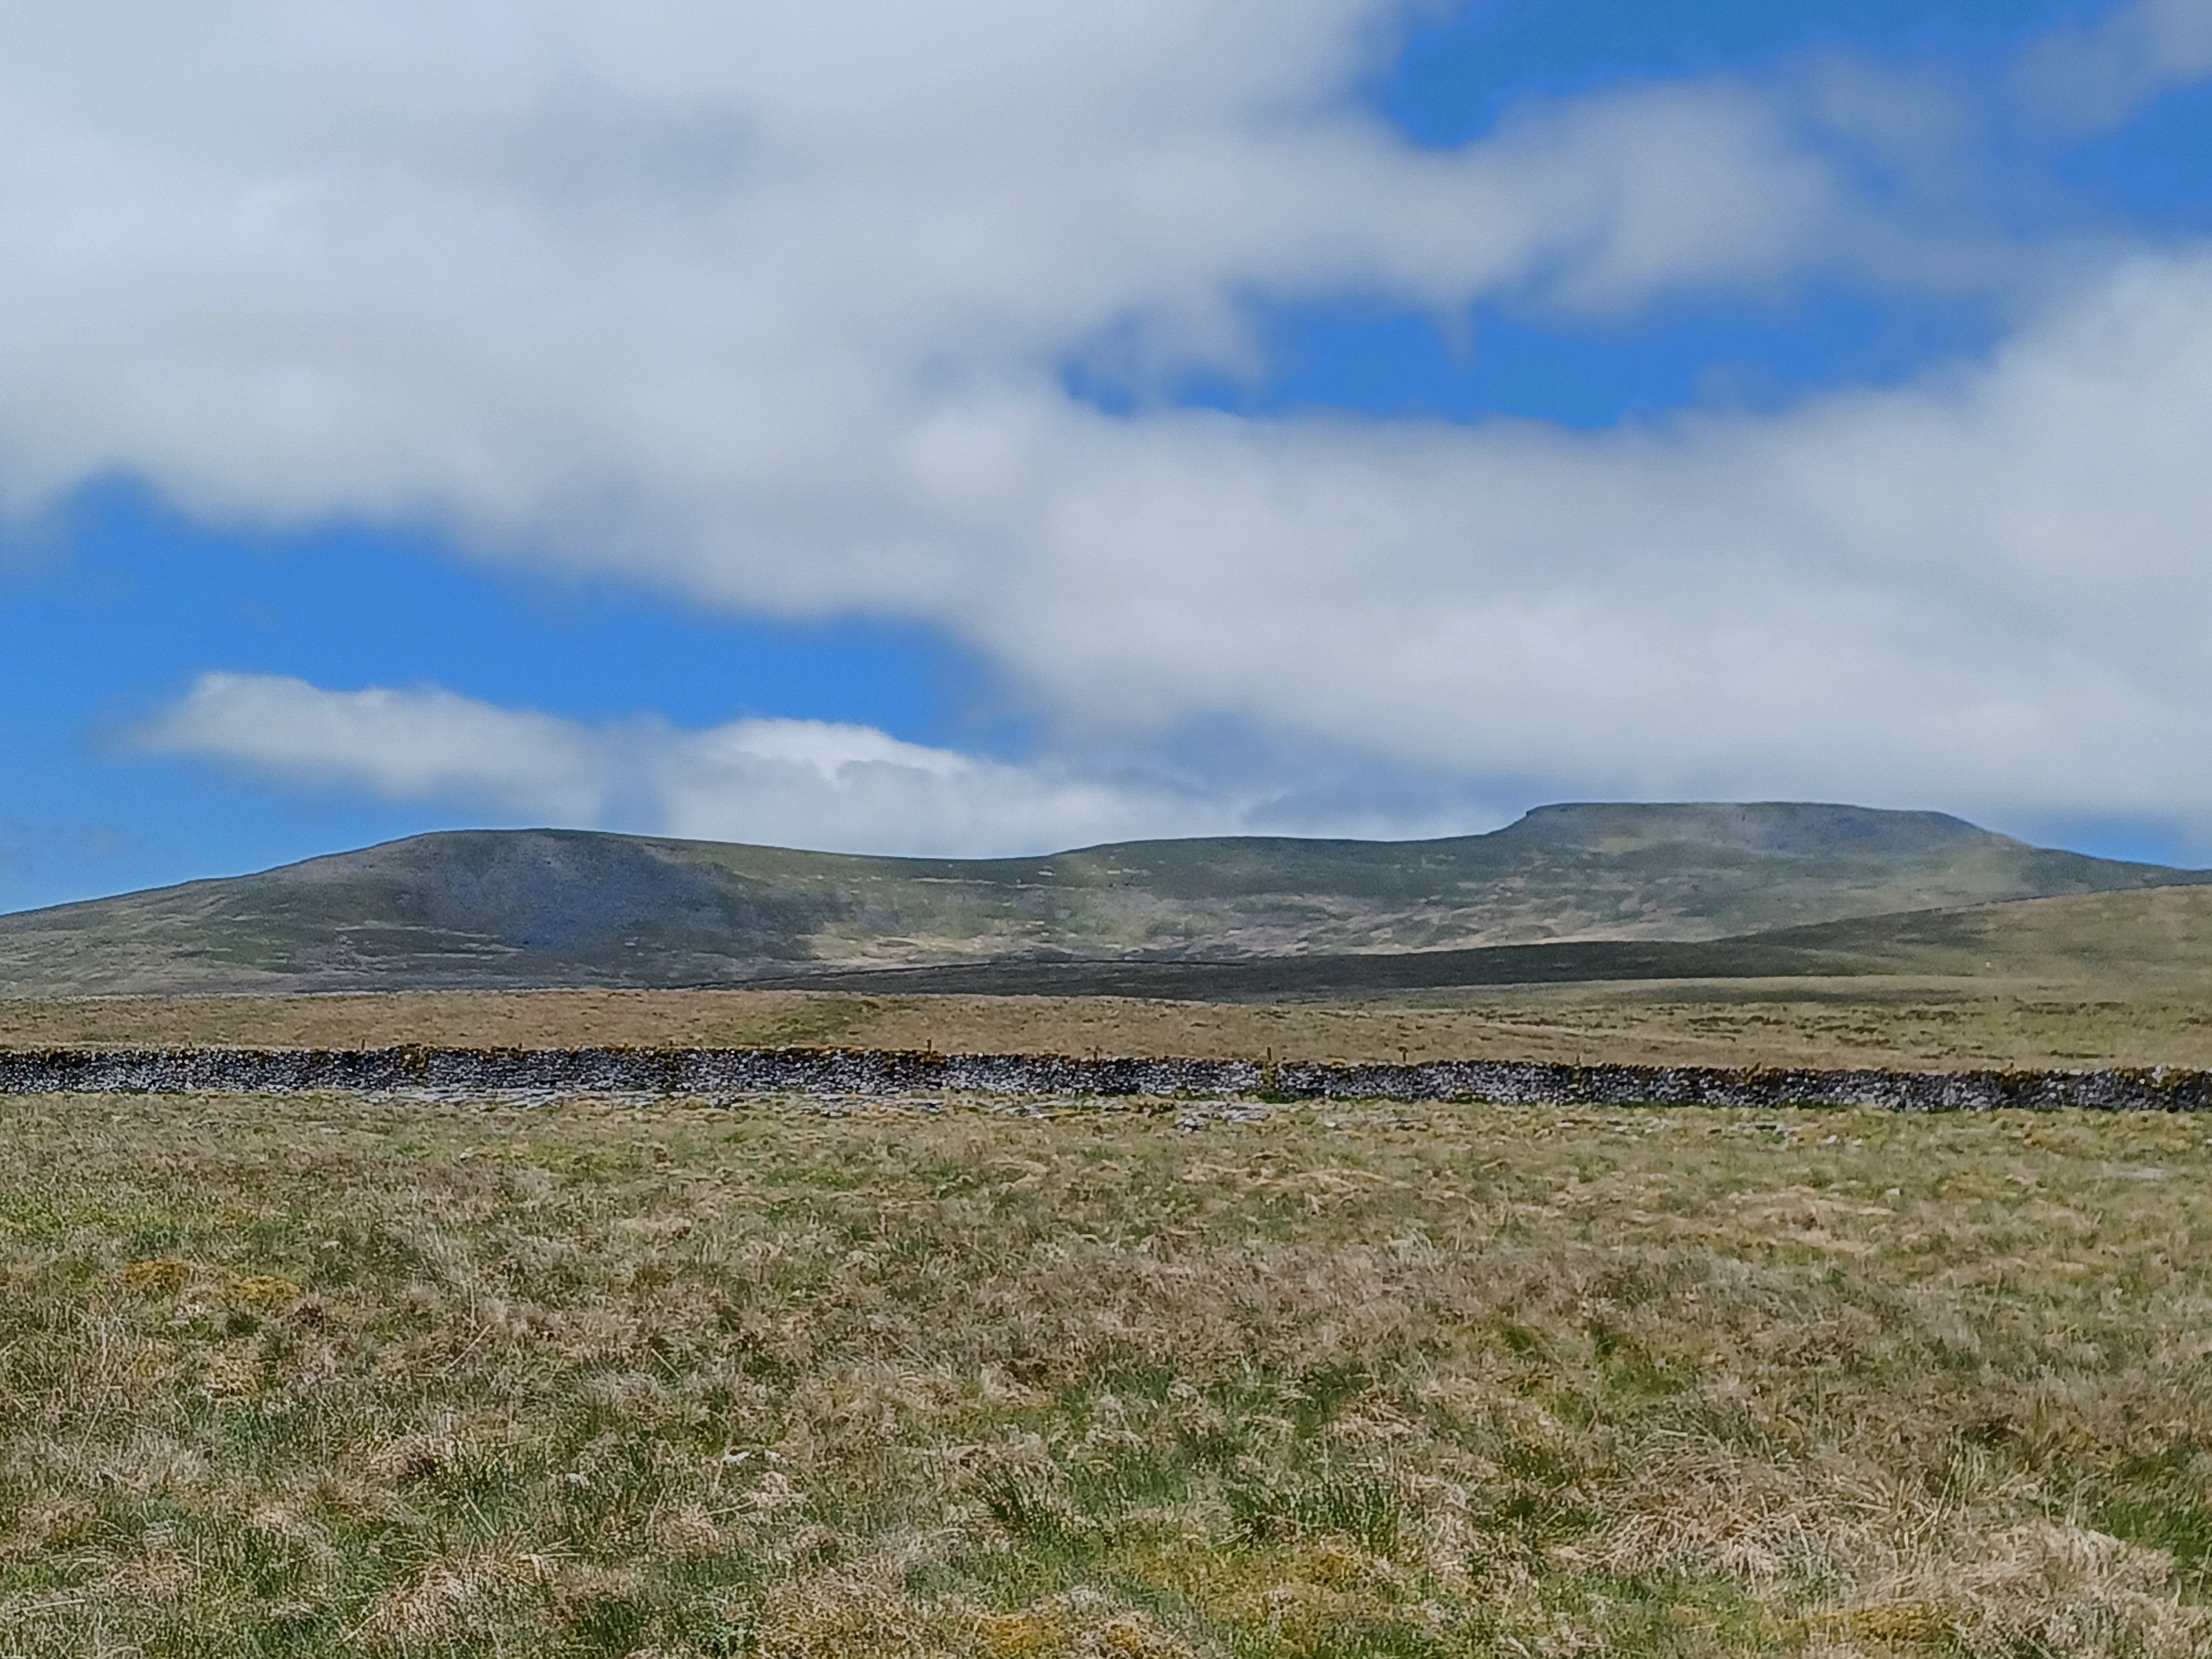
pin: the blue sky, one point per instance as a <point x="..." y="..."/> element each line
<point x="1156" y="420"/>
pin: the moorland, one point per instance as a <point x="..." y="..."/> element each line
<point x="2100" y="979"/>
<point x="1040" y="1378"/>
<point x="806" y="1380"/>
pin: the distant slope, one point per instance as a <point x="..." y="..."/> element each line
<point x="547" y="907"/>
<point x="2159" y="939"/>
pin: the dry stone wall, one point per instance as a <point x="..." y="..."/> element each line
<point x="727" y="1072"/>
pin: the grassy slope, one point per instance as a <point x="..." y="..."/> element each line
<point x="323" y="1375"/>
<point x="538" y="908"/>
<point x="1916" y="1023"/>
<point x="2161" y="937"/>
<point x="2121" y="979"/>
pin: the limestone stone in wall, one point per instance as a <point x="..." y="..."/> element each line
<point x="879" y="1072"/>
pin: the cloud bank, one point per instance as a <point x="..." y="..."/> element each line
<point x="774" y="306"/>
<point x="783" y="782"/>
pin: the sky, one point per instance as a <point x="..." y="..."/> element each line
<point x="983" y="427"/>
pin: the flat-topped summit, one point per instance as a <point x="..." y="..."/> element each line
<point x="1810" y="828"/>
<point x="553" y="907"/>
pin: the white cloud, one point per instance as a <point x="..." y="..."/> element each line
<point x="1985" y="591"/>
<point x="2094" y="76"/>
<point x="694" y="282"/>
<point x="770" y="305"/>
<point x="413" y="744"/>
<point x="809" y="783"/>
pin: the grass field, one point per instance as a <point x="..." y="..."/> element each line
<point x="325" y="1374"/>
<point x="1860" y="1021"/>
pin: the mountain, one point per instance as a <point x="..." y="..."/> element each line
<point x="515" y="908"/>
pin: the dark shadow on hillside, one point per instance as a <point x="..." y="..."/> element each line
<point x="1350" y="975"/>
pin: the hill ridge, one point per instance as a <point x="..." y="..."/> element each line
<point x="518" y="908"/>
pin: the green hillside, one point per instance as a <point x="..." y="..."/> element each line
<point x="2156" y="939"/>
<point x="2159" y="939"/>
<point x="546" y="907"/>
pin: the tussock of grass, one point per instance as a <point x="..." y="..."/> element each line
<point x="319" y="1375"/>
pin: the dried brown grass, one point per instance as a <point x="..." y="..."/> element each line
<point x="328" y="1375"/>
<point x="1866" y="1021"/>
